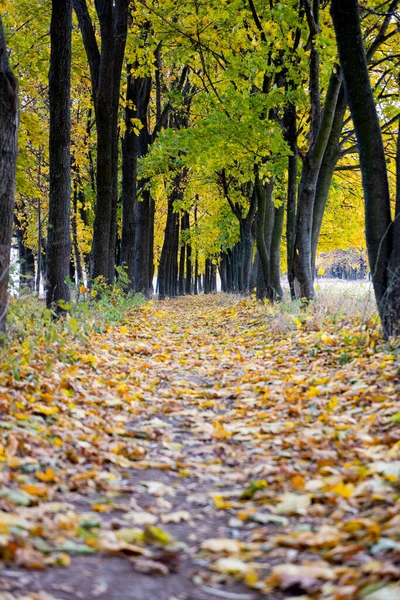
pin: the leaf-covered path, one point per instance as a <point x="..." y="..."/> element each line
<point x="199" y="452"/>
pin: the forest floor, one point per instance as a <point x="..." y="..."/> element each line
<point x="209" y="447"/>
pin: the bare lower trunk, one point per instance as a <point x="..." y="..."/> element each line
<point x="275" y="254"/>
<point x="58" y="232"/>
<point x="8" y="156"/>
<point x="383" y="248"/>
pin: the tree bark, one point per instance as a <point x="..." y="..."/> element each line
<point x="264" y="214"/>
<point x="290" y="130"/>
<point x="8" y="157"/>
<point x="26" y="259"/>
<point x="78" y="258"/>
<point x="58" y="231"/>
<point x="168" y="267"/>
<point x="329" y="161"/>
<point x="129" y="179"/>
<point x="302" y="263"/>
<point x="275" y="254"/>
<point x="144" y="231"/>
<point x="378" y="224"/>
<point x="105" y="72"/>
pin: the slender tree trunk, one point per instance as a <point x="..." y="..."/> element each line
<point x="291" y="138"/>
<point x="188" y="280"/>
<point x="39" y="244"/>
<point x="26" y="259"/>
<point x="129" y="179"/>
<point x="275" y="253"/>
<point x="331" y="157"/>
<point x="104" y="160"/>
<point x="58" y="231"/>
<point x="144" y="231"/>
<point x="223" y="271"/>
<point x="264" y="202"/>
<point x="168" y="267"/>
<point x="196" y="275"/>
<point x="302" y="262"/>
<point x="8" y="156"/>
<point x="247" y="244"/>
<point x="75" y="244"/>
<point x="182" y="260"/>
<point x="393" y="302"/>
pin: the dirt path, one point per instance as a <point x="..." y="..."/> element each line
<point x="197" y="452"/>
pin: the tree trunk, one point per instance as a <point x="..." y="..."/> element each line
<point x="129" y="179"/>
<point x="182" y="260"/>
<point x="302" y="263"/>
<point x="188" y="281"/>
<point x="247" y="244"/>
<point x="331" y="157"/>
<point x="105" y="71"/>
<point x="265" y="212"/>
<point x="379" y="227"/>
<point x="188" y="266"/>
<point x="78" y="259"/>
<point x="8" y="157"/>
<point x="275" y="254"/>
<point x="144" y="232"/>
<point x="291" y="138"/>
<point x="393" y="301"/>
<point x="58" y="231"/>
<point x="168" y="267"/>
<point x="196" y="275"/>
<point x="25" y="258"/>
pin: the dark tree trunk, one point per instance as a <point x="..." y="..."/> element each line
<point x="275" y="253"/>
<point x="105" y="70"/>
<point x="247" y="245"/>
<point x="329" y="161"/>
<point x="196" y="275"/>
<point x="121" y="16"/>
<point x="168" y="267"/>
<point x="58" y="231"/>
<point x="26" y="260"/>
<point x="77" y="254"/>
<point x="129" y="179"/>
<point x="302" y="261"/>
<point x="264" y="217"/>
<point x="39" y="247"/>
<point x="383" y="236"/>
<point x="269" y="236"/>
<point x="8" y="157"/>
<point x="188" y="279"/>
<point x="207" y="276"/>
<point x="144" y="231"/>
<point x="213" y="278"/>
<point x="242" y="253"/>
<point x="188" y="266"/>
<point x="182" y="260"/>
<point x="290" y="126"/>
<point x="223" y="271"/>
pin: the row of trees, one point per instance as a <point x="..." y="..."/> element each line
<point x="183" y="139"/>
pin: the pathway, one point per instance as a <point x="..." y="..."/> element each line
<point x="203" y="450"/>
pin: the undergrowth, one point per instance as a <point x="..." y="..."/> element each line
<point x="336" y="302"/>
<point x="30" y="325"/>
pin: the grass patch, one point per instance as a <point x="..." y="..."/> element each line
<point x="30" y="325"/>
